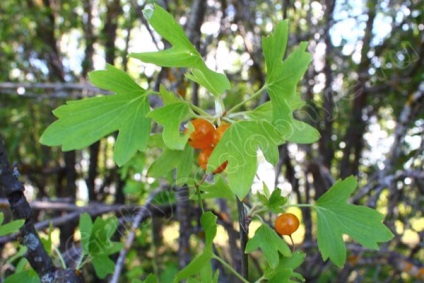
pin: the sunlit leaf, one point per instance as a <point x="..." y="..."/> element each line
<point x="182" y="53"/>
<point x="281" y="81"/>
<point x="336" y="217"/>
<point x="239" y="146"/>
<point x="170" y="117"/>
<point x="85" y="121"/>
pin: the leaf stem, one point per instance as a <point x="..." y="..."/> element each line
<point x="62" y="261"/>
<point x="253" y="96"/>
<point x="229" y="267"/>
<point x="200" y="111"/>
<point x="81" y="261"/>
<point x="199" y="195"/>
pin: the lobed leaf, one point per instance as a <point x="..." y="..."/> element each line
<point x="208" y="222"/>
<point x="239" y="146"/>
<point x="284" y="272"/>
<point x="218" y="189"/>
<point x="281" y="81"/>
<point x="103" y="265"/>
<point x="170" y="117"/>
<point x="271" y="243"/>
<point x="182" y="160"/>
<point x="100" y="237"/>
<point x="201" y="264"/>
<point x="85" y="121"/>
<point x="181" y="54"/>
<point x="336" y="217"/>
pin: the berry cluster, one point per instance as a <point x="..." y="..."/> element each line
<point x="205" y="137"/>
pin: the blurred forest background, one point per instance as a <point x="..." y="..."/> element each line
<point x="364" y="92"/>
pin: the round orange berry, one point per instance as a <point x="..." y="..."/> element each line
<point x="220" y="132"/>
<point x="286" y="223"/>
<point x="203" y="158"/>
<point x="202" y="136"/>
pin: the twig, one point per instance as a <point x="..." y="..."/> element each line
<point x="93" y="210"/>
<point x="244" y="230"/>
<point x="36" y="254"/>
<point x="51" y="90"/>
<point x="143" y="213"/>
<point x="184" y="218"/>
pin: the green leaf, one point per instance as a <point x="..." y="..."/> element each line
<point x="20" y="253"/>
<point x="239" y="146"/>
<point x="170" y="117"/>
<point x="151" y="279"/>
<point x="218" y="189"/>
<point x="103" y="265"/>
<point x="201" y="264"/>
<point x="182" y="160"/>
<point x="27" y="276"/>
<point x="285" y="269"/>
<point x="265" y="190"/>
<point x="100" y="245"/>
<point x="273" y="201"/>
<point x="336" y="217"/>
<point x="185" y="167"/>
<point x="11" y="227"/>
<point x="22" y="265"/>
<point x="195" y="266"/>
<point x="262" y="112"/>
<point x="85" y="227"/>
<point x="276" y="201"/>
<point x="48" y="241"/>
<point x="208" y="222"/>
<point x="302" y="133"/>
<point x="281" y="81"/>
<point x="270" y="242"/>
<point x="115" y="80"/>
<point x="181" y="54"/>
<point x="102" y="231"/>
<point x="216" y="83"/>
<point x="85" y="121"/>
<point x="168" y="97"/>
<point x="156" y="140"/>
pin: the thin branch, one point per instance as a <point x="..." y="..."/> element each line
<point x="36" y="254"/>
<point x="244" y="237"/>
<point x="144" y="212"/>
<point x="51" y="90"/>
<point x="93" y="209"/>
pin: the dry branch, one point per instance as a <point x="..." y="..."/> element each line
<point x="36" y="254"/>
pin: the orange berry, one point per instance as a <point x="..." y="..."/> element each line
<point x="203" y="133"/>
<point x="203" y="158"/>
<point x="286" y="224"/>
<point x="219" y="133"/>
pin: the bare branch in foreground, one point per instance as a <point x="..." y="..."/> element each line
<point x="36" y="254"/>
